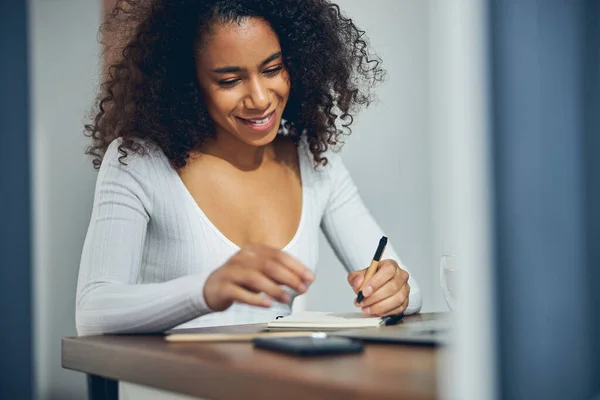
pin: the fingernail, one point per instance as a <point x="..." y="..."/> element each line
<point x="309" y="276"/>
<point x="368" y="291"/>
<point x="286" y="298"/>
<point x="366" y="310"/>
<point x="302" y="288"/>
<point x="356" y="303"/>
<point x="267" y="302"/>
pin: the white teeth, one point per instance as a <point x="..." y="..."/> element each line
<point x="260" y="121"/>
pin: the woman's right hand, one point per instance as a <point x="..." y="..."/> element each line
<point x="252" y="270"/>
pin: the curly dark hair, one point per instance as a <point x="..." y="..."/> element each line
<point x="151" y="91"/>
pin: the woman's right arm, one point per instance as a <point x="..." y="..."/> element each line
<point x="109" y="297"/>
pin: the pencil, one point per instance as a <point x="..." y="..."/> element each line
<point x="373" y="267"/>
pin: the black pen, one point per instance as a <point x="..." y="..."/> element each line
<point x="392" y="319"/>
<point x="373" y="267"/>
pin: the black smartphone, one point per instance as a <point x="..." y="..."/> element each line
<point x="305" y="346"/>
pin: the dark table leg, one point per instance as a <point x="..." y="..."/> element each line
<point x="100" y="388"/>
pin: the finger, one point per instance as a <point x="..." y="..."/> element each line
<point x="385" y="306"/>
<point x="387" y="270"/>
<point x="241" y="295"/>
<point x="282" y="257"/>
<point x="355" y="279"/>
<point x="390" y="288"/>
<point x="283" y="276"/>
<point x="398" y="310"/>
<point x="256" y="281"/>
<point x="402" y="307"/>
<point x="296" y="266"/>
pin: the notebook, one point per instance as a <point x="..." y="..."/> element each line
<point x="313" y="320"/>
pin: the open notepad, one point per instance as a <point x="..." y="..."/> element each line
<point x="304" y="323"/>
<point x="312" y="320"/>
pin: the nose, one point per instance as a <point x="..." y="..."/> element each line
<point x="258" y="97"/>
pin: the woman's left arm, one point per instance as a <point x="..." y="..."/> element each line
<point x="354" y="234"/>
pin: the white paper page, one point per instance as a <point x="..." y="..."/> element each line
<point x="308" y="319"/>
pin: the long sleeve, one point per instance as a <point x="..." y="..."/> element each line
<point x="352" y="231"/>
<point x="110" y="298"/>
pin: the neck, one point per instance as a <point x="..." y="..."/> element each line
<point x="238" y="153"/>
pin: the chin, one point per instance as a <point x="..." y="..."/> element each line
<point x="260" y="141"/>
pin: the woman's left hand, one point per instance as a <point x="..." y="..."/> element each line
<point x="387" y="291"/>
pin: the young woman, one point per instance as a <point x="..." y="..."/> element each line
<point x="213" y="136"/>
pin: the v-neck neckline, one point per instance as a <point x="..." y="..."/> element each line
<point x="300" y="151"/>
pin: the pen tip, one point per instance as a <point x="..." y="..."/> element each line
<point x="360" y="297"/>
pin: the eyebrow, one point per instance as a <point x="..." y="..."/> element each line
<point x="225" y="70"/>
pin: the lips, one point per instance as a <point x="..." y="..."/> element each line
<point x="259" y="121"/>
<point x="259" y="124"/>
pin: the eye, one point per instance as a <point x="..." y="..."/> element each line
<point x="228" y="83"/>
<point x="273" y="71"/>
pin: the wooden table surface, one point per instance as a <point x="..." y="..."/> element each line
<point x="230" y="370"/>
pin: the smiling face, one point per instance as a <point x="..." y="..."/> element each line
<point x="243" y="80"/>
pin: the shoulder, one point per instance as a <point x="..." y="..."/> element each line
<point x="143" y="156"/>
<point x="328" y="172"/>
<point x="331" y="182"/>
<point x="133" y="178"/>
<point x="139" y="173"/>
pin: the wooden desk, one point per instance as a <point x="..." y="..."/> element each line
<point x="238" y="371"/>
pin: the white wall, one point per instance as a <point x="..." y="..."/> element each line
<point x="64" y="70"/>
<point x="394" y="133"/>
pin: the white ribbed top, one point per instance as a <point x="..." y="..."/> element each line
<point x="149" y="247"/>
